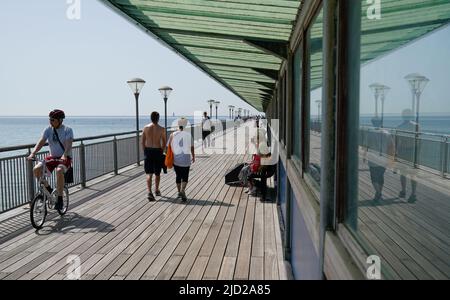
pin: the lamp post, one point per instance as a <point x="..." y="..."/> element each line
<point x="217" y="106"/>
<point x="232" y="112"/>
<point x="318" y="102"/>
<point x="136" y="85"/>
<point x="417" y="83"/>
<point x="229" y="111"/>
<point x="380" y="91"/>
<point x="211" y="102"/>
<point x="165" y="93"/>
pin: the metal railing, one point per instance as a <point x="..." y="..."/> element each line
<point x="92" y="157"/>
<point x="421" y="149"/>
<point x="416" y="149"/>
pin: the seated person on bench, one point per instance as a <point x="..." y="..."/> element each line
<point x="254" y="168"/>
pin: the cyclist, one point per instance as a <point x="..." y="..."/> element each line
<point x="60" y="139"/>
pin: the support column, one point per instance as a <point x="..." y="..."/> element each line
<point x="328" y="135"/>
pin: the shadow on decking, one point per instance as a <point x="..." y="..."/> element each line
<point x="193" y="201"/>
<point x="68" y="224"/>
<point x="383" y="202"/>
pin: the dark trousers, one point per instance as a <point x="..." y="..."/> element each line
<point x="182" y="173"/>
<point x="207" y="135"/>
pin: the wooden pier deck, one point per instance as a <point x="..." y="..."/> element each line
<point x="412" y="239"/>
<point x="221" y="233"/>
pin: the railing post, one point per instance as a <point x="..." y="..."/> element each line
<point x="416" y="149"/>
<point x="395" y="144"/>
<point x="444" y="155"/>
<point x="116" y="162"/>
<point x="30" y="177"/>
<point x="82" y="165"/>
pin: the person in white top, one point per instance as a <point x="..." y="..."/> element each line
<point x="206" y="130"/>
<point x="183" y="155"/>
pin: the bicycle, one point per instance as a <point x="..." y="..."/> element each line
<point x="44" y="199"/>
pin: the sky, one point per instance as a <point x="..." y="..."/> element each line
<point x="81" y="66"/>
<point x="48" y="61"/>
<point x="428" y="56"/>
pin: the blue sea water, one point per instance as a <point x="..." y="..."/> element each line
<point x="430" y="124"/>
<point x="16" y="131"/>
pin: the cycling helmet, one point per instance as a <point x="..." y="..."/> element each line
<point x="57" y="114"/>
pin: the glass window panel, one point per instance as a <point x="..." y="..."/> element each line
<point x="315" y="36"/>
<point x="403" y="212"/>
<point x="296" y="130"/>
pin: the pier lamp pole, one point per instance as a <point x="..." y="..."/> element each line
<point x="217" y="106"/>
<point x="165" y="93"/>
<point x="318" y="102"/>
<point x="136" y="85"/>
<point x="380" y="91"/>
<point x="417" y="83"/>
<point x="211" y="102"/>
<point x="229" y="111"/>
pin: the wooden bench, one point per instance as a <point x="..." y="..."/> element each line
<point x="264" y="174"/>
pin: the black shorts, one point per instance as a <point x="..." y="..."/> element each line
<point x="182" y="174"/>
<point x="153" y="161"/>
<point x="205" y="134"/>
<point x="377" y="174"/>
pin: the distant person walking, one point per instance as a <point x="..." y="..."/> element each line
<point x="183" y="155"/>
<point x="153" y="143"/>
<point x="405" y="150"/>
<point x="206" y="130"/>
<point x="381" y="140"/>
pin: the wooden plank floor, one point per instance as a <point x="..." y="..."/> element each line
<point x="412" y="239"/>
<point x="219" y="233"/>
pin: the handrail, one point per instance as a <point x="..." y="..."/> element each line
<point x="28" y="146"/>
<point x="82" y="139"/>
<point x="90" y="161"/>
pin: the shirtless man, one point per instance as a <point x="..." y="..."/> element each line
<point x="153" y="143"/>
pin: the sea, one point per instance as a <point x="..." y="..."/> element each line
<point x="15" y="131"/>
<point x="436" y="124"/>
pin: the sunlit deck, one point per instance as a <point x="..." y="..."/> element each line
<point x="220" y="233"/>
<point x="412" y="239"/>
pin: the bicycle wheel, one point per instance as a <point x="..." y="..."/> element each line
<point x="63" y="211"/>
<point x="38" y="211"/>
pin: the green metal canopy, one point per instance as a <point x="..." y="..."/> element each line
<point x="224" y="38"/>
<point x="242" y="43"/>
<point x="401" y="22"/>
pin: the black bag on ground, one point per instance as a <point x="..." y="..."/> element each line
<point x="232" y="175"/>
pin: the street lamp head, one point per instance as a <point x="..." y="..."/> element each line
<point x="136" y="85"/>
<point x="417" y="82"/>
<point x="379" y="89"/>
<point x="217" y="103"/>
<point x="211" y="102"/>
<point x="165" y="91"/>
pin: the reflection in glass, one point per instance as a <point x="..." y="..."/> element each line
<point x="315" y="36"/>
<point x="403" y="213"/>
